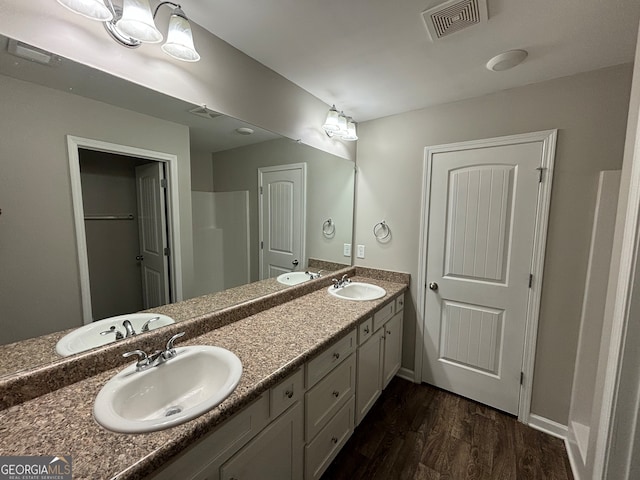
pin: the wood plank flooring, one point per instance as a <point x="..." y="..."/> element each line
<point x="420" y="432"/>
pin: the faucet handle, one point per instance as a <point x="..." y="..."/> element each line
<point x="143" y="359"/>
<point x="345" y="279"/>
<point x="169" y="347"/>
<point x="336" y="283"/>
<point x="145" y="327"/>
<point x="113" y="329"/>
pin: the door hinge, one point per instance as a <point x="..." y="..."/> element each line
<point x="540" y="171"/>
<point x="260" y="189"/>
<point x="167" y="251"/>
<point x="530" y="280"/>
<point x="261" y="245"/>
<point x="163" y="183"/>
<point x="521" y="378"/>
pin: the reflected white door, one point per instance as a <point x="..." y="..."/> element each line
<point x="152" y="227"/>
<point x="282" y="211"/>
<point x="481" y="225"/>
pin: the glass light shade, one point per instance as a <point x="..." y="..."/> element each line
<point x="331" y="123"/>
<point x="137" y="21"/>
<point x="351" y="131"/>
<point x="93" y="9"/>
<point x="179" y="42"/>
<point x="342" y="125"/>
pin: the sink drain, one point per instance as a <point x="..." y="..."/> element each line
<point x="172" y="411"/>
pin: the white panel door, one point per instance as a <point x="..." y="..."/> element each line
<point x="152" y="227"/>
<point x="481" y="229"/>
<point x="282" y="218"/>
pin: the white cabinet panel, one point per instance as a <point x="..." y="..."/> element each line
<point x="392" y="348"/>
<point x="369" y="383"/>
<point x="275" y="454"/>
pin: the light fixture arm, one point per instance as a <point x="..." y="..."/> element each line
<point x="178" y="9"/>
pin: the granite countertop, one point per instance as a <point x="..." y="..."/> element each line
<point x="270" y="344"/>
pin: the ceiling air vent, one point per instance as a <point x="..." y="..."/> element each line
<point x="204" y="112"/>
<point x="453" y="16"/>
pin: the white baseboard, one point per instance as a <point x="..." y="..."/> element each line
<point x="548" y="426"/>
<point x="406" y="374"/>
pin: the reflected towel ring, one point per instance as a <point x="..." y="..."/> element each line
<point x="381" y="230"/>
<point x="328" y="228"/>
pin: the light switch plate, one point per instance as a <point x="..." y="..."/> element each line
<point x="360" y="251"/>
<point x="347" y="250"/>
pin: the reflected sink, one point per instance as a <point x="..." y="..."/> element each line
<point x="196" y="380"/>
<point x="293" y="278"/>
<point x="88" y="337"/>
<point x="358" y="291"/>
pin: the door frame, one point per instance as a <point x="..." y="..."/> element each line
<point x="303" y="218"/>
<point x="548" y="138"/>
<point x="74" y="144"/>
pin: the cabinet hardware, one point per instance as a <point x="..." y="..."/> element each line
<point x="388" y="332"/>
<point x="366" y="330"/>
<point x="336" y="393"/>
<point x="289" y="393"/>
<point x="334" y="440"/>
<point x="336" y="355"/>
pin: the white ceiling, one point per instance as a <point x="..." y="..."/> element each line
<point x="374" y="58"/>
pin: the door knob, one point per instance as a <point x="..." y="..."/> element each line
<point x="295" y="263"/>
<point x="139" y="258"/>
<point x="433" y="286"/>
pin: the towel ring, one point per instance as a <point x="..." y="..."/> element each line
<point x="328" y="228"/>
<point x="381" y="230"/>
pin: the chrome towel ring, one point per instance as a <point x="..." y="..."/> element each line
<point x="381" y="230"/>
<point x="329" y="228"/>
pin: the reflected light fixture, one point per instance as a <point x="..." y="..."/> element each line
<point x="339" y="125"/>
<point x="132" y="24"/>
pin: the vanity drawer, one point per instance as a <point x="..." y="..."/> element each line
<point x="286" y="393"/>
<point x="399" y="303"/>
<point x="382" y="315"/>
<point x="320" y="453"/>
<point x="218" y="445"/>
<point x="327" y="360"/>
<point x="331" y="393"/>
<point x="365" y="330"/>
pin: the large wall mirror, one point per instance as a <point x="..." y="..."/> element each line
<point x="75" y="139"/>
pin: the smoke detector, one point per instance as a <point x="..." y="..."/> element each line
<point x="454" y="15"/>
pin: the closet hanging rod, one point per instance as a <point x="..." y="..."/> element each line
<point x="109" y="217"/>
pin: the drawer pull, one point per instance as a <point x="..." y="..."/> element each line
<point x="388" y="332"/>
<point x="336" y="393"/>
<point x="366" y="329"/>
<point x="336" y="355"/>
<point x="334" y="440"/>
<point x="289" y="393"/>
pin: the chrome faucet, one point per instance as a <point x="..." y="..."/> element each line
<point x="145" y="327"/>
<point x="343" y="282"/>
<point x="130" y="332"/>
<point x="312" y="275"/>
<point x="156" y="358"/>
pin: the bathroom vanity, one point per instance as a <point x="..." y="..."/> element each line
<point x="312" y="368"/>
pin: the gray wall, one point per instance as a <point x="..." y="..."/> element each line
<point x="329" y="192"/>
<point x="590" y="112"/>
<point x="39" y="279"/>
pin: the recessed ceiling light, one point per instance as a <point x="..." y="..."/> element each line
<point x="506" y="60"/>
<point x="244" y="131"/>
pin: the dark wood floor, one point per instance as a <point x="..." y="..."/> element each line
<point x="424" y="433"/>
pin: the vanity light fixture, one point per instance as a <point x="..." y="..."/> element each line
<point x="132" y="24"/>
<point x="339" y="125"/>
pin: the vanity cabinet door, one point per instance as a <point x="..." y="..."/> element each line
<point x="369" y="381"/>
<point x="392" y="333"/>
<point x="275" y="454"/>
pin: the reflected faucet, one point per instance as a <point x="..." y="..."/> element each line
<point x="113" y="329"/>
<point x="130" y="332"/>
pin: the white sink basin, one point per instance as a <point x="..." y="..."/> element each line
<point x="196" y="380"/>
<point x="88" y="337"/>
<point x="358" y="291"/>
<point x="293" y="278"/>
